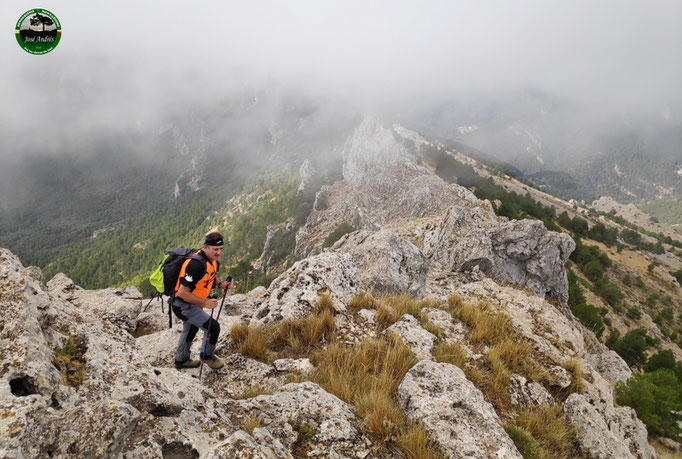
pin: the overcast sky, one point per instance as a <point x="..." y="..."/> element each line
<point x="122" y="60"/>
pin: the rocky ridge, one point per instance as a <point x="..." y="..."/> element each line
<point x="429" y="239"/>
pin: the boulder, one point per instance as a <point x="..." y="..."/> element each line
<point x="618" y="434"/>
<point x="331" y="421"/>
<point x="386" y="262"/>
<point x="420" y="341"/>
<point x="120" y="306"/>
<point x="453" y="412"/>
<point x="521" y="252"/>
<point x="296" y="292"/>
<point x="242" y="445"/>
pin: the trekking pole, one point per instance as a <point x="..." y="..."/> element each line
<point x="150" y="302"/>
<point x="203" y="354"/>
<point x="222" y="303"/>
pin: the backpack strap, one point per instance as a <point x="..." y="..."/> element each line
<point x="193" y="256"/>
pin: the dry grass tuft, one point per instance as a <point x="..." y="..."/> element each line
<point x="386" y="316"/>
<point x="450" y="353"/>
<point x="379" y="412"/>
<point x="429" y="327"/>
<point x="517" y="357"/>
<point x="454" y="303"/>
<point x="491" y="328"/>
<point x="363" y="300"/>
<point x="573" y="367"/>
<point x="299" y="337"/>
<point x="251" y="422"/>
<point x="252" y="392"/>
<point x="251" y="341"/>
<point x="374" y="363"/>
<point x="403" y="304"/>
<point x="547" y="424"/>
<point x="415" y="442"/>
<point x="493" y="381"/>
<point x="325" y="304"/>
<point x="239" y="332"/>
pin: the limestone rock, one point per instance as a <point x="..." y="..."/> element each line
<point x="307" y="172"/>
<point x="331" y="420"/>
<point x="242" y="445"/>
<point x="244" y="304"/>
<point x="120" y="306"/>
<point x="454" y="412"/>
<point x="269" y="258"/>
<point x="296" y="292"/>
<point x="452" y="331"/>
<point x="296" y="366"/>
<point x="528" y="393"/>
<point x="522" y="252"/>
<point x="242" y="374"/>
<point x="561" y="376"/>
<point x="610" y="365"/>
<point x="409" y="330"/>
<point x="621" y="434"/>
<point x="387" y="263"/>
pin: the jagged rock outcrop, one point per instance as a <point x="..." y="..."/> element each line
<point x="331" y="421"/>
<point x="271" y="256"/>
<point x="411" y="333"/>
<point x="385" y="186"/>
<point x="454" y="412"/>
<point x="388" y="263"/>
<point x="296" y="292"/>
<point x="614" y="433"/>
<point x="120" y="306"/>
<point x="520" y="252"/>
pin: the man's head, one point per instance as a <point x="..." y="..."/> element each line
<point x="213" y="245"/>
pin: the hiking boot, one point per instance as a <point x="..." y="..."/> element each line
<point x="214" y="362"/>
<point x="187" y="364"/>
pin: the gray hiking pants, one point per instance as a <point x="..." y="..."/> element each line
<point x="194" y="318"/>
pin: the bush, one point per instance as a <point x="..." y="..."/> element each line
<point x="661" y="359"/>
<point x="593" y="270"/>
<point x="657" y="399"/>
<point x="634" y="313"/>
<point x="525" y="443"/>
<point x="589" y="317"/>
<point x="678" y="275"/>
<point x="632" y="346"/>
<point x="610" y="292"/>
<point x="342" y="229"/>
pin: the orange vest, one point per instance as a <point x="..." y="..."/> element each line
<point x="203" y="285"/>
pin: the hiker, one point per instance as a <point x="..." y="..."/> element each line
<point x="192" y="288"/>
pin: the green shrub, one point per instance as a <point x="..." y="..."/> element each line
<point x="634" y="313"/>
<point x="593" y="270"/>
<point x="662" y="359"/>
<point x="657" y="399"/>
<point x="610" y="292"/>
<point x="343" y="228"/>
<point x="652" y="299"/>
<point x="639" y="282"/>
<point x="632" y="346"/>
<point x="678" y="275"/>
<point x="589" y="317"/>
<point x="525" y="443"/>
